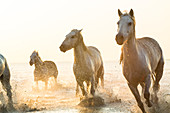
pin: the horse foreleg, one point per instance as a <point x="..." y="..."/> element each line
<point x="37" y="85"/>
<point x="135" y="92"/>
<point x="143" y="88"/>
<point x="7" y="87"/>
<point x="82" y="88"/>
<point x="146" y="92"/>
<point x="77" y="89"/>
<point x="88" y="85"/>
<point x="96" y="81"/>
<point x="46" y="84"/>
<point x="92" y="85"/>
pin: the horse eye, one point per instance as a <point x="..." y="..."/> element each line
<point x="117" y="23"/>
<point x="130" y="23"/>
<point x="72" y="37"/>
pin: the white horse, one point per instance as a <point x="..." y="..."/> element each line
<point x="5" y="78"/>
<point x="88" y="64"/>
<point x="141" y="58"/>
<point x="43" y="70"/>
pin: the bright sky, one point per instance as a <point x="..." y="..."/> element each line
<point x="28" y="25"/>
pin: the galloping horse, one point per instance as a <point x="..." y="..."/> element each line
<point x="141" y="59"/>
<point x="43" y="70"/>
<point x="88" y="64"/>
<point x="5" y="79"/>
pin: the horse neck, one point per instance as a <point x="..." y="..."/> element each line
<point x="130" y="48"/>
<point x="38" y="63"/>
<point x="79" y="52"/>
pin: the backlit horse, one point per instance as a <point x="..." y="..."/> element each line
<point x="141" y="59"/>
<point x="43" y="70"/>
<point x="88" y="64"/>
<point x="5" y="79"/>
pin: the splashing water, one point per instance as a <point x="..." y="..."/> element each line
<point x="62" y="97"/>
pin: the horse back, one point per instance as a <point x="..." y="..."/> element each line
<point x="96" y="57"/>
<point x="151" y="49"/>
<point x="50" y="65"/>
<point x="93" y="48"/>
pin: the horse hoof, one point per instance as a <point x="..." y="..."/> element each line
<point x="10" y="107"/>
<point x="77" y="95"/>
<point x="83" y="97"/>
<point x="149" y="104"/>
<point x="156" y="100"/>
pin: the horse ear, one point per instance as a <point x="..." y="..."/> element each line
<point x="37" y="52"/>
<point x="131" y="13"/>
<point x="119" y="13"/>
<point x="80" y="30"/>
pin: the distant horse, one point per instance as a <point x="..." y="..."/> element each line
<point x="88" y="64"/>
<point x="5" y="78"/>
<point x="43" y="70"/>
<point x="141" y="59"/>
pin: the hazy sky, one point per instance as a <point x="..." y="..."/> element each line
<point x="27" y="25"/>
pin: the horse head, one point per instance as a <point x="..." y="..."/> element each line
<point x="71" y="41"/>
<point x="126" y="26"/>
<point x="34" y="58"/>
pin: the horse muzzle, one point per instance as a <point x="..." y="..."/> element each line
<point x="62" y="48"/>
<point x="31" y="63"/>
<point x="119" y="39"/>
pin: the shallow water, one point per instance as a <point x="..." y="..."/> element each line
<point x="61" y="98"/>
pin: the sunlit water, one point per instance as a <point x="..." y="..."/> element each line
<point x="62" y="98"/>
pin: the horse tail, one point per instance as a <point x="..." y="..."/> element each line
<point x="100" y="74"/>
<point x="158" y="74"/>
<point x="56" y="74"/>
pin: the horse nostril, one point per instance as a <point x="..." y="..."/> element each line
<point x="62" y="48"/>
<point x="31" y="63"/>
<point x="119" y="39"/>
<point x="117" y="36"/>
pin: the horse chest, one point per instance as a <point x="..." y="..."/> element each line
<point x="82" y="72"/>
<point x="134" y="72"/>
<point x="41" y="73"/>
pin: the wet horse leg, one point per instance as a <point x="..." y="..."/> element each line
<point x="7" y="87"/>
<point x="46" y="84"/>
<point x="80" y="83"/>
<point x="92" y="85"/>
<point x="146" y="92"/>
<point x="77" y="89"/>
<point x="96" y="81"/>
<point x="143" y="88"/>
<point x="135" y="92"/>
<point x="36" y="84"/>
<point x="88" y="85"/>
